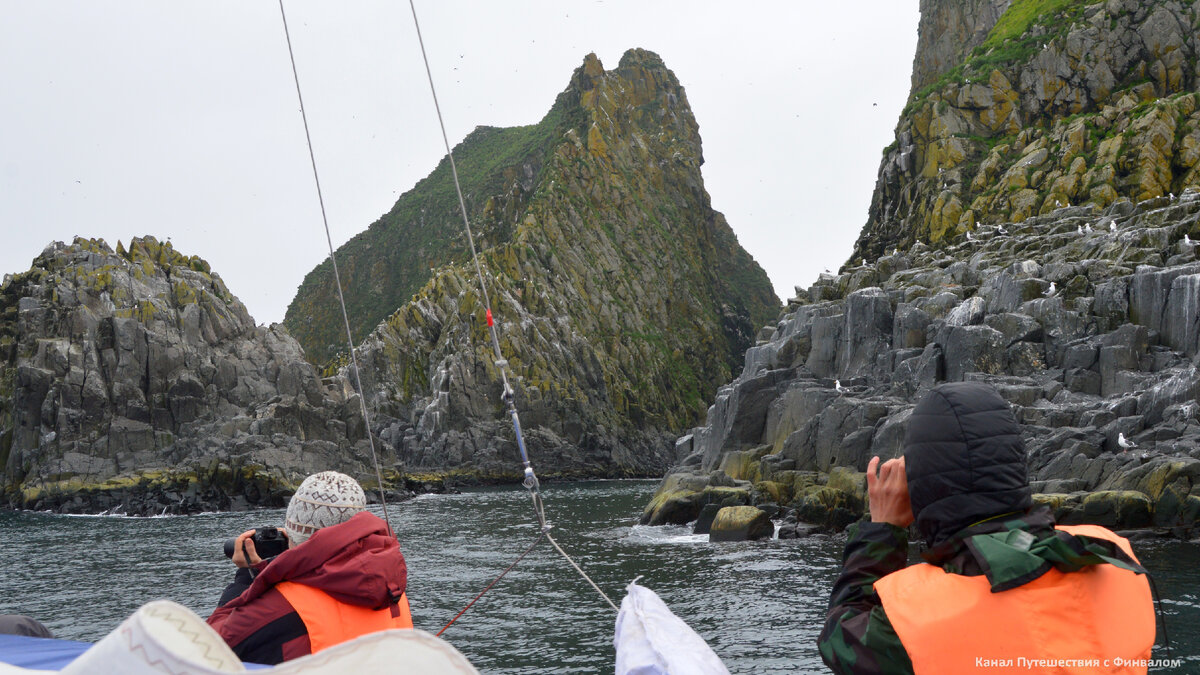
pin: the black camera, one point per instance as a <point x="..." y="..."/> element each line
<point x="268" y="542"/>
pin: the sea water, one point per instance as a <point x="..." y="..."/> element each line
<point x="760" y="605"/>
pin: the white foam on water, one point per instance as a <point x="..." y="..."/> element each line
<point x="664" y="534"/>
<point x="115" y="514"/>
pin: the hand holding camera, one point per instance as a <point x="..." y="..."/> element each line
<point x="253" y="546"/>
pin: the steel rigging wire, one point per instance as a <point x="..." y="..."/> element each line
<point x="530" y="481"/>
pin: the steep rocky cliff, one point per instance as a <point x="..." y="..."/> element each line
<point x="1034" y="227"/>
<point x="382" y="267"/>
<point x="133" y="380"/>
<point x="622" y="298"/>
<point x="948" y="32"/>
<point x="1051" y="103"/>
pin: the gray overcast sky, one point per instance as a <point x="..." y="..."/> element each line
<point x="179" y="119"/>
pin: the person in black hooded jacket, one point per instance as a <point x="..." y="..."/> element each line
<point x="1004" y="588"/>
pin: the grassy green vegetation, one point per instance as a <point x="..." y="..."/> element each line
<point x="1009" y="42"/>
<point x="987" y="141"/>
<point x="1019" y="16"/>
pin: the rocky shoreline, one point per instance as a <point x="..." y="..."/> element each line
<point x="160" y="493"/>
<point x="1090" y="336"/>
<point x="156" y="493"/>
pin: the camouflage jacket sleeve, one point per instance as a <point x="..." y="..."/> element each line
<point x="858" y="637"/>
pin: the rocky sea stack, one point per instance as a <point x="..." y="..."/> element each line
<point x="133" y="381"/>
<point x="620" y="295"/>
<point x="1035" y="227"/>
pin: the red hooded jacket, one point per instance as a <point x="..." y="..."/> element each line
<point x="356" y="563"/>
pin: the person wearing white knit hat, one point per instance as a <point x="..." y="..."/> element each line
<point x="341" y="576"/>
<point x="323" y="499"/>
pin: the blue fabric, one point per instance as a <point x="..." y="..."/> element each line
<point x="50" y="654"/>
<point x="39" y="653"/>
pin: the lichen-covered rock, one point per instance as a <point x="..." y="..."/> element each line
<point x="741" y="523"/>
<point x="1020" y="109"/>
<point x="133" y="381"/>
<point x="1120" y="509"/>
<point x="681" y="497"/>
<point x="828" y="506"/>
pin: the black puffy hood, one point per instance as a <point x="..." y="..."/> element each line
<point x="964" y="458"/>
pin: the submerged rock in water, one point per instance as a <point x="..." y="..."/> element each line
<point x="704" y="520"/>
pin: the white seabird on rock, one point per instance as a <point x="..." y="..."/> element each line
<point x="1000" y="230"/>
<point x="1112" y="226"/>
<point x="1124" y="442"/>
<point x="837" y="385"/>
<point x="1052" y="290"/>
<point x="1087" y="228"/>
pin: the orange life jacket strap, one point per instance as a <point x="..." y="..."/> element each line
<point x="330" y="622"/>
<point x="1090" y="621"/>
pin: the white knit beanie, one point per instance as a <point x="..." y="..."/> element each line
<point x="323" y="499"/>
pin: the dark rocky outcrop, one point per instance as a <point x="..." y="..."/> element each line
<point x="133" y="381"/>
<point x="1088" y="336"/>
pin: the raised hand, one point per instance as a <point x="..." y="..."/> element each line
<point x="888" y="492"/>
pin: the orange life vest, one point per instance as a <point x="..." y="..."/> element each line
<point x="330" y="622"/>
<point x="1097" y="620"/>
